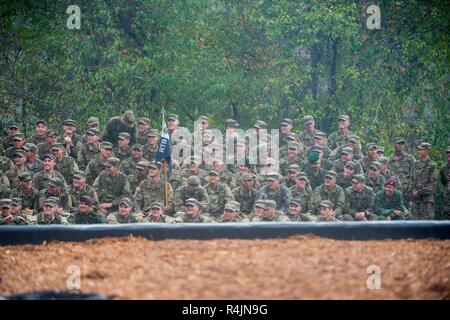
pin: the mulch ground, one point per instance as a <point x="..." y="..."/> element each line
<point x="301" y="267"/>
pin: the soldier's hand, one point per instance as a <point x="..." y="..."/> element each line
<point x="388" y="218"/>
<point x="139" y="216"/>
<point x="398" y="213"/>
<point x="28" y="212"/>
<point x="7" y="219"/>
<point x="104" y="206"/>
<point x="360" y="216"/>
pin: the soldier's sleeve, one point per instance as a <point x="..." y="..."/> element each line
<point x="89" y="173"/>
<point x="126" y="190"/>
<point x="205" y="198"/>
<point x="96" y="185"/>
<point x="313" y="205"/>
<point x="347" y="207"/>
<point x="287" y="197"/>
<point x="170" y="200"/>
<point x="138" y="199"/>
<point x="68" y="202"/>
<point x="41" y="201"/>
<point x="228" y="194"/>
<point x="370" y="202"/>
<point x="427" y="188"/>
<point x="179" y="203"/>
<point x="339" y="205"/>
<point x="379" y="206"/>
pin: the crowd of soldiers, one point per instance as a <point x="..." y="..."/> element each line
<point x="112" y="176"/>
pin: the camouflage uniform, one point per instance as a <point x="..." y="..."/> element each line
<point x="64" y="199"/>
<point x="66" y="166"/>
<point x="150" y="154"/>
<point x="358" y="202"/>
<point x="30" y="198"/>
<point x="92" y="217"/>
<point x="116" y="218"/>
<point x="122" y="154"/>
<point x="315" y="177"/>
<point x="86" y="154"/>
<point x="43" y="148"/>
<point x="75" y="195"/>
<point x="34" y="167"/>
<point x="184" y="218"/>
<point x="114" y="126"/>
<point x="128" y="165"/>
<point x="304" y="195"/>
<point x="6" y="164"/>
<point x="343" y="181"/>
<point x="376" y="185"/>
<point x="35" y="139"/>
<point x="336" y="140"/>
<point x="404" y="169"/>
<point x="93" y="169"/>
<point x="110" y="189"/>
<point x="13" y="176"/>
<point x="384" y="206"/>
<point x="338" y="166"/>
<point x="181" y="195"/>
<point x="58" y="219"/>
<point x="41" y="179"/>
<point x="336" y="195"/>
<point x="149" y="191"/>
<point x="219" y="195"/>
<point x="424" y="182"/>
<point x="246" y="198"/>
<point x="281" y="196"/>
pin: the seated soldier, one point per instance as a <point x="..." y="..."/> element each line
<point x="156" y="214"/>
<point x="80" y="188"/>
<point x="275" y="191"/>
<point x="388" y="203"/>
<point x="294" y="212"/>
<point x="302" y="190"/>
<point x="359" y="201"/>
<point x="51" y="213"/>
<point x="55" y="188"/>
<point x="219" y="194"/>
<point x="86" y="212"/>
<point x="245" y="194"/>
<point x="20" y="216"/>
<point x="193" y="213"/>
<point x="124" y="214"/>
<point x="192" y="189"/>
<point x="10" y="216"/>
<point x="327" y="213"/>
<point x="270" y="212"/>
<point x="231" y="213"/>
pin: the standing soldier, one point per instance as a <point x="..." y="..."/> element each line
<point x="86" y="212"/>
<point x="424" y="185"/>
<point x="302" y="190"/>
<point x="192" y="189"/>
<point x="192" y="213"/>
<point x="116" y="125"/>
<point x="44" y="148"/>
<point x="33" y="164"/>
<point x="245" y="194"/>
<point x="402" y="164"/>
<point x="80" y="188"/>
<point x="41" y="132"/>
<point x="142" y="130"/>
<point x="444" y="174"/>
<point x="307" y="135"/>
<point x="359" y="201"/>
<point x="90" y="149"/>
<point x="340" y="137"/>
<point x="219" y="194"/>
<point x="98" y="164"/>
<point x="274" y="191"/>
<point x="151" y="146"/>
<point x="64" y="164"/>
<point x="122" y="151"/>
<point x="153" y="189"/>
<point x="329" y="190"/>
<point x="111" y="185"/>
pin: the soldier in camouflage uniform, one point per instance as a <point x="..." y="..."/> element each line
<point x="156" y="214"/>
<point x="302" y="190"/>
<point x="307" y="135"/>
<point x="245" y="194"/>
<point x="139" y="175"/>
<point x="231" y="213"/>
<point x="402" y="164"/>
<point x="40" y="179"/>
<point x="41" y="132"/>
<point x="5" y="189"/>
<point x="219" y="194"/>
<point x="32" y="164"/>
<point x="19" y="142"/>
<point x="327" y="214"/>
<point x="352" y="143"/>
<point x="329" y="190"/>
<point x="128" y="165"/>
<point x="374" y="178"/>
<point x="123" y="151"/>
<point x="124" y="213"/>
<point x="116" y="125"/>
<point x="25" y="191"/>
<point x="192" y="168"/>
<point x="225" y="175"/>
<point x="8" y="216"/>
<point x="86" y="212"/>
<point x="270" y="212"/>
<point x="192" y="213"/>
<point x="293" y="157"/>
<point x="359" y="201"/>
<point x="424" y="185"/>
<point x="285" y="128"/>
<point x="6" y="164"/>
<point x="44" y="148"/>
<point x="80" y="188"/>
<point x="151" y="145"/>
<point x="346" y="156"/>
<point x="371" y="156"/>
<point x="340" y="137"/>
<point x="13" y="129"/>
<point x="64" y="164"/>
<point x="70" y="139"/>
<point x="295" y="214"/>
<point x="142" y="130"/>
<point x="388" y="203"/>
<point x="344" y="178"/>
<point x="56" y="189"/>
<point x="274" y="191"/>
<point x="152" y="190"/>
<point x="192" y="189"/>
<point x="444" y="175"/>
<point x="97" y="165"/>
<point x="111" y="185"/>
<point x="315" y="173"/>
<point x="13" y="175"/>
<point x="91" y="123"/>
<point x="50" y="214"/>
<point x="90" y="149"/>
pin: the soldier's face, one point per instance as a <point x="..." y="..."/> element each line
<point x="92" y="138"/>
<point x="15" y="208"/>
<point x="49" y="212"/>
<point x="292" y="153"/>
<point x="53" y="189"/>
<point x="259" y="212"/>
<point x="326" y="213"/>
<point x="273" y="184"/>
<point x="217" y="165"/>
<point x="112" y="170"/>
<point x="152" y="140"/>
<point x="372" y="153"/>
<point x="153" y="172"/>
<point x="207" y="139"/>
<point x="319" y="141"/>
<point x="143" y="127"/>
<point x="79" y="181"/>
<point x="346" y="157"/>
<point x="269" y="213"/>
<point x="343" y="124"/>
<point x="229" y="214"/>
<point x="358" y="187"/>
<point x="389" y="190"/>
<point x="51" y="139"/>
<point x="292" y="174"/>
<point x="193" y="167"/>
<point x="373" y="173"/>
<point x="69" y="129"/>
<point x="27" y="185"/>
<point x="49" y="164"/>
<point x="41" y="129"/>
<point x="213" y="179"/>
<point x="123" y="143"/>
<point x="300" y="183"/>
<point x="348" y="172"/>
<point x="315" y="165"/>
<point x="247" y="183"/>
<point x="329" y="182"/>
<point x="84" y="208"/>
<point x="155" y="213"/>
<point x="422" y="153"/>
<point x="294" y="208"/>
<point x="13" y="130"/>
<point x="172" y="124"/>
<point x="19" y="143"/>
<point x="5" y="211"/>
<point x="124" y="210"/>
<point x="285" y="128"/>
<point x="192" y="210"/>
<point x="310" y="126"/>
<point x="105" y="152"/>
<point x="19" y="160"/>
<point x="58" y="153"/>
<point x="136" y="153"/>
<point x="399" y="147"/>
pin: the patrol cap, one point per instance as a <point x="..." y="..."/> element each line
<point x="293" y="145"/>
<point x="86" y="200"/>
<point x="79" y="174"/>
<point x="351" y="165"/>
<point x="156" y="205"/>
<point x="247" y="176"/>
<point x="93" y="120"/>
<point x="41" y="121"/>
<point x="292" y="137"/>
<point x="153" y="133"/>
<point x="172" y="116"/>
<point x="18" y="137"/>
<point x="375" y="165"/>
<point x="154" y="164"/>
<point x="302" y="176"/>
<point x="16" y="201"/>
<point x="424" y="145"/>
<point x="294" y="167"/>
<point x="52" y="201"/>
<point x="20" y="153"/>
<point x="113" y="162"/>
<point x="51" y="133"/>
<point x="232" y="205"/>
<point x="259" y="124"/>
<point x="260" y="204"/>
<point x="204" y="118"/>
<point x="137" y="147"/>
<point x="358" y="178"/>
<point x="391" y="182"/>
<point x="143" y="120"/>
<point x="213" y="173"/>
<point x="125" y="201"/>
<point x="57" y="146"/>
<point x="353" y="139"/>
<point x="106" y="145"/>
<point x="371" y="146"/>
<point x="192" y="201"/>
<point x="29" y="146"/>
<point x="129" y="117"/>
<point x="5" y="203"/>
<point x="347" y="150"/>
<point x="270" y="204"/>
<point x="69" y="122"/>
<point x="193" y="181"/>
<point x="296" y="201"/>
<point x="380" y="149"/>
<point x="317" y="148"/>
<point x="124" y="136"/>
<point x="382" y="161"/>
<point x="231" y="123"/>
<point x="207" y="132"/>
<point x="14" y="125"/>
<point x="398" y="140"/>
<point x="25" y="176"/>
<point x="308" y="119"/>
<point x="331" y="174"/>
<point x="344" y="117"/>
<point x="143" y="164"/>
<point x="272" y="176"/>
<point x="287" y="121"/>
<point x="326" y="204"/>
<point x="48" y="155"/>
<point x="320" y="134"/>
<point x="93" y="132"/>
<point x="56" y="181"/>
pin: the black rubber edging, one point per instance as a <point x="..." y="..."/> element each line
<point x="10" y="235"/>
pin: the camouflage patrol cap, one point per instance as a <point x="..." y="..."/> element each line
<point x="14" y="125"/>
<point x="124" y="136"/>
<point x="287" y="121"/>
<point x="371" y="146"/>
<point x="51" y="133"/>
<point x="347" y="150"/>
<point x="193" y="181"/>
<point x="358" y="178"/>
<point x="296" y="201"/>
<point x="344" y="117"/>
<point x="156" y="205"/>
<point x="192" y="201"/>
<point x="260" y="124"/>
<point x="154" y="164"/>
<point x="52" y="201"/>
<point x="49" y="156"/>
<point x="113" y="162"/>
<point x="231" y="123"/>
<point x="272" y="176"/>
<point x="137" y="146"/>
<point x="398" y="140"/>
<point x="302" y="176"/>
<point x="106" y="145"/>
<point x="270" y="204"/>
<point x="293" y="145"/>
<point x="86" y="200"/>
<point x="247" y="176"/>
<point x="292" y="137"/>
<point x="214" y="173"/>
<point x="294" y="167"/>
<point x="57" y="146"/>
<point x="142" y="165"/>
<point x="16" y="201"/>
<point x="5" y="203"/>
<point x="79" y="174"/>
<point x="353" y="139"/>
<point x="153" y="133"/>
<point x="93" y="132"/>
<point x="18" y="137"/>
<point x="56" y="182"/>
<point x="25" y="176"/>
<point x="260" y="204"/>
<point x="320" y="135"/>
<point x="125" y="201"/>
<point x="232" y="205"/>
<point x="42" y="121"/>
<point x="29" y="146"/>
<point x="207" y="133"/>
<point x="375" y="165"/>
<point x="144" y="120"/>
<point x="308" y="119"/>
<point x="326" y="204"/>
<point x="172" y="116"/>
<point x="92" y="120"/>
<point x="19" y="153"/>
<point x="424" y="145"/>
<point x="331" y="174"/>
<point x="69" y="122"/>
<point x="204" y="118"/>
<point x="351" y="165"/>
<point x="380" y="149"/>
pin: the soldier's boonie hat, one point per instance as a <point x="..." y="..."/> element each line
<point x="93" y="120"/>
<point x="79" y="174"/>
<point x="214" y="173"/>
<point x="271" y="204"/>
<point x="296" y="201"/>
<point x="272" y="176"/>
<point x="259" y="124"/>
<point x="172" y="116"/>
<point x="247" y="176"/>
<point x="57" y="146"/>
<point x="375" y="165"/>
<point x="14" y="125"/>
<point x="144" y="120"/>
<point x="52" y="201"/>
<point x="293" y="145"/>
<point x="20" y="153"/>
<point x="143" y="164"/>
<point x="18" y="137"/>
<point x="347" y="150"/>
<point x="137" y="147"/>
<point x="16" y="201"/>
<point x="232" y="205"/>
<point x="260" y="204"/>
<point x="371" y="146"/>
<point x="51" y="133"/>
<point x="129" y="116"/>
<point x="155" y="165"/>
<point x="294" y="167"/>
